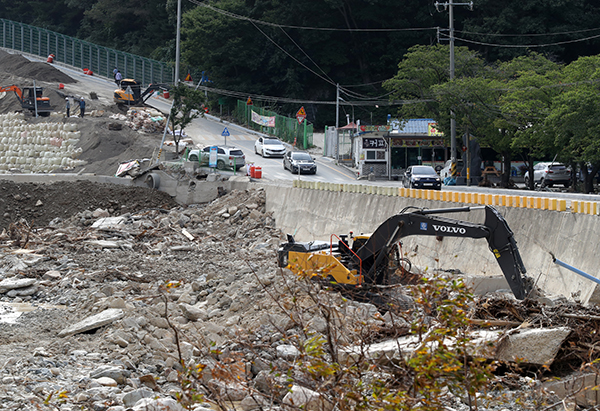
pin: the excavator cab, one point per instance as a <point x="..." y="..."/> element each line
<point x="31" y="99"/>
<point x="130" y="92"/>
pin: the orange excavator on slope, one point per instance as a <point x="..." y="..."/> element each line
<point x="31" y="100"/>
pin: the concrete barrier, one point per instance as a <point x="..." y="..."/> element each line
<point x="571" y="237"/>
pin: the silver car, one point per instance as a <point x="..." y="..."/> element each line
<point x="227" y="157"/>
<point x="549" y="173"/>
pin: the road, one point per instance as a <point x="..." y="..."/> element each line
<point x="208" y="131"/>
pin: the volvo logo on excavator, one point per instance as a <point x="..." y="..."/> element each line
<point x="448" y="229"/>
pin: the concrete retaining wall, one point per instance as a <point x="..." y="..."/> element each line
<point x="315" y="214"/>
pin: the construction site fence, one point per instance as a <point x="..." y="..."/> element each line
<point x="78" y="53"/>
<point x="286" y="128"/>
<point x="539" y="203"/>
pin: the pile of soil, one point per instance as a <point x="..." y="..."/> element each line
<point x="17" y="65"/>
<point x="39" y="204"/>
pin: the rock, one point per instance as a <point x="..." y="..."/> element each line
<point x="193" y="313"/>
<point x="100" y="213"/>
<point x="118" y="374"/>
<point x="536" y="346"/>
<point x="14" y="283"/>
<point x="22" y="292"/>
<point x="132" y="397"/>
<point x="288" y="352"/>
<point x="96" y="321"/>
<point x="106" y="381"/>
<point x="303" y="398"/>
<point x="52" y="275"/>
<point x="158" y="404"/>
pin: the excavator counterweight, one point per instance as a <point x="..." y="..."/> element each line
<point x="367" y="260"/>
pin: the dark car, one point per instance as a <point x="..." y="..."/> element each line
<point x="299" y="161"/>
<point x="422" y="177"/>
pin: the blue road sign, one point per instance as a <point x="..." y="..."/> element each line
<point x="225" y="132"/>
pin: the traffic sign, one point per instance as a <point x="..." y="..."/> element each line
<point x="249" y="102"/>
<point x="301" y="115"/>
<point x="225" y="132"/>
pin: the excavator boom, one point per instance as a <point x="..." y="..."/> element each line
<point x="370" y="260"/>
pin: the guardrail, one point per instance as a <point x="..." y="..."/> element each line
<point x="517" y="201"/>
<point x="82" y="54"/>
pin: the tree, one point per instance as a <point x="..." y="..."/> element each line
<point x="422" y="68"/>
<point x="530" y="86"/>
<point x="575" y="117"/>
<point x="187" y="105"/>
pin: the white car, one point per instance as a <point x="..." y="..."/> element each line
<point x="269" y="147"/>
<point x="550" y="173"/>
<point x="445" y="172"/>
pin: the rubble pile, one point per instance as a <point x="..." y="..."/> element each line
<point x="116" y="301"/>
<point x="145" y="120"/>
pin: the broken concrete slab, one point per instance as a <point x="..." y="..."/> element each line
<point x="536" y="346"/>
<point x="14" y="283"/>
<point x="96" y="321"/>
<point x="583" y="388"/>
<point x="109" y="223"/>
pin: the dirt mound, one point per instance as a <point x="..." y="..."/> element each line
<point x="39" y="204"/>
<point x="20" y="66"/>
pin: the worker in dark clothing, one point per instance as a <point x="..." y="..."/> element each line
<point x="81" y="107"/>
<point x="68" y="106"/>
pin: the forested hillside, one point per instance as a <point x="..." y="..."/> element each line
<point x="303" y="49"/>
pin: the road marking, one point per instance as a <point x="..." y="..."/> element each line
<point x="219" y="138"/>
<point x="334" y="169"/>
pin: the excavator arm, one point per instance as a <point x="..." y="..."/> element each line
<point x="18" y="92"/>
<point x="374" y="254"/>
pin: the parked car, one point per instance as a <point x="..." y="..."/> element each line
<point x="299" y="161"/>
<point x="227" y="157"/>
<point x="445" y="172"/>
<point x="422" y="177"/>
<point x="549" y="173"/>
<point x="269" y="147"/>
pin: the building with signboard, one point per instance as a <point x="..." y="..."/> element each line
<point x="386" y="151"/>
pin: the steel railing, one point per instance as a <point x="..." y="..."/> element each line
<point x="82" y="54"/>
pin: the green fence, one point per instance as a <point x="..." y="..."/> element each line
<point x="79" y="53"/>
<point x="286" y="129"/>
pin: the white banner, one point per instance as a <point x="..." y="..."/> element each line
<point x="263" y="120"/>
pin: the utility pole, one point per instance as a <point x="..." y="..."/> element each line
<point x="450" y="6"/>
<point x="176" y="80"/>
<point x="337" y="124"/>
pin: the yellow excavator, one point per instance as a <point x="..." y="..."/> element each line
<point x="31" y="99"/>
<point x="372" y="260"/>
<point x="130" y="92"/>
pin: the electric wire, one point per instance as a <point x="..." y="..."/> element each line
<point x="558" y="43"/>
<point x="560" y="33"/>
<point x="265" y="23"/>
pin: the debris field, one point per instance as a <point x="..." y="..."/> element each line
<point x="116" y="298"/>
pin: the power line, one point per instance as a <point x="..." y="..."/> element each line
<point x="558" y="43"/>
<point x="265" y="23"/>
<point x="272" y="99"/>
<point x="528" y="34"/>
